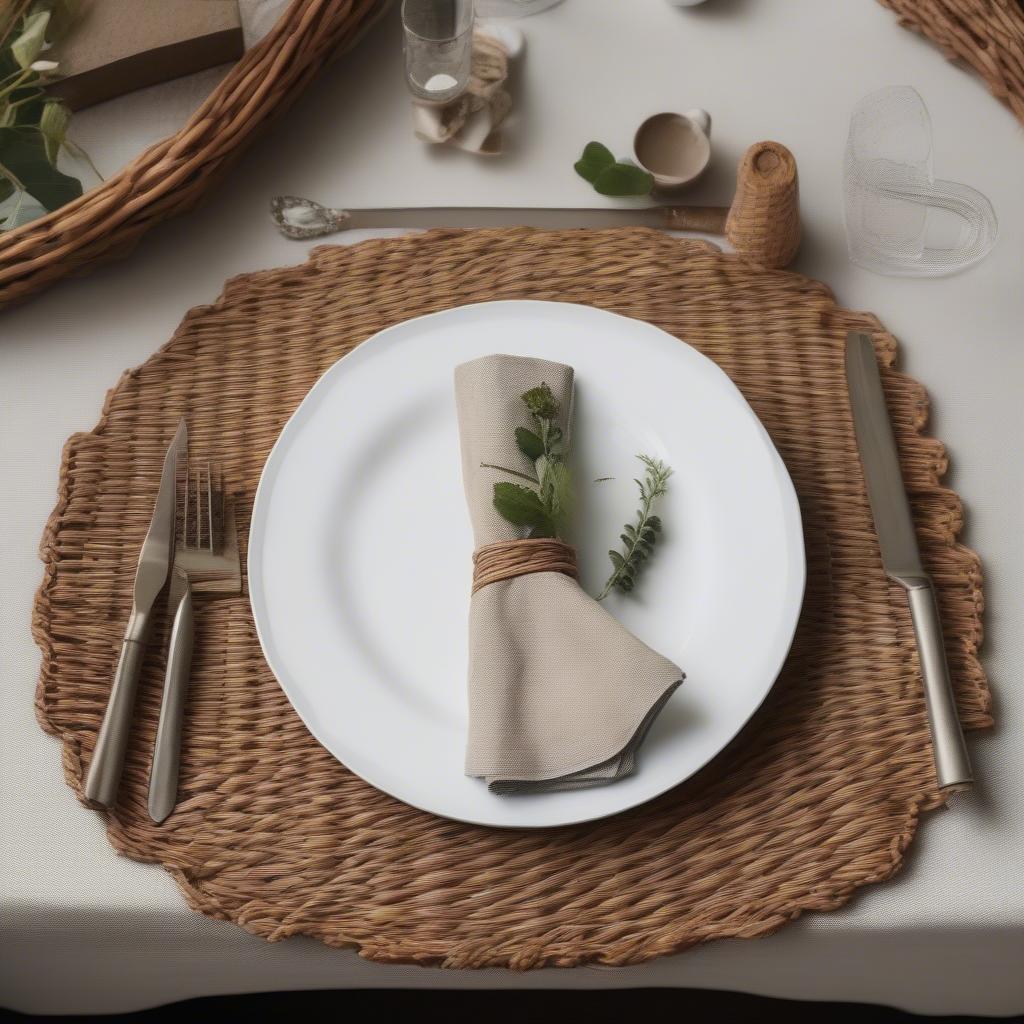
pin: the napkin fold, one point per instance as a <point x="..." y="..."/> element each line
<point x="561" y="694"/>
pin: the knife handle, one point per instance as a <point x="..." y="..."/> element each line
<point x="952" y="765"/>
<point x="708" y="219"/>
<point x="163" y="779"/>
<point x="104" y="778"/>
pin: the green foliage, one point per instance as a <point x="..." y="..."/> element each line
<point x="624" y="180"/>
<point x="522" y="506"/>
<point x="529" y="443"/>
<point x="611" y="177"/>
<point x="33" y="127"/>
<point x="639" y="537"/>
<point x="594" y="160"/>
<point x="546" y="510"/>
<point x="541" y="403"/>
<point x="24" y="159"/>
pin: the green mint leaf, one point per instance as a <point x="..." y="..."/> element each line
<point x="559" y="482"/>
<point x="623" y="180"/>
<point x="520" y="506"/>
<point x="594" y="160"/>
<point x="23" y="153"/>
<point x="28" y="45"/>
<point x="529" y="443"/>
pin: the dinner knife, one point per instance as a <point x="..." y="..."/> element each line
<point x="901" y="556"/>
<point x="104" y="776"/>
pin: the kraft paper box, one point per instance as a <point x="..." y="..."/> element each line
<point x="117" y="46"/>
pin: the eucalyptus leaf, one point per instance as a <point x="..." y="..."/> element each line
<point x="623" y="180"/>
<point x="53" y="124"/>
<point x="23" y="154"/>
<point x="30" y="43"/>
<point x="594" y="160"/>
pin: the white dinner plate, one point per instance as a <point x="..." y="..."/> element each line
<point x="359" y="551"/>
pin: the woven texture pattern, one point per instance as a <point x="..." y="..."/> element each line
<point x="819" y="795"/>
<point x="174" y="174"/>
<point x="987" y="35"/>
<point x="764" y="220"/>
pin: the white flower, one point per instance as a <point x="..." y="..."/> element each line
<point x="44" y="65"/>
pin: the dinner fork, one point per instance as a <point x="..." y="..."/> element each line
<point x="206" y="559"/>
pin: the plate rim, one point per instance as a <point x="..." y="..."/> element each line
<point x="791" y="515"/>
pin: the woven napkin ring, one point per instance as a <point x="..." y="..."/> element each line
<point x="507" y="558"/>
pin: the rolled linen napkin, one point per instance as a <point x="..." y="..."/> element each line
<point x="560" y="693"/>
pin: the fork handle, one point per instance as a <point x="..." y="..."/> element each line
<point x="104" y="778"/>
<point x="163" y="779"/>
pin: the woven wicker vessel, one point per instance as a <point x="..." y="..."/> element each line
<point x="173" y="175"/>
<point x="819" y="795"/>
<point x="987" y="35"/>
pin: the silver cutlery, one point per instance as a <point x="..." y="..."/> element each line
<point x="302" y="218"/>
<point x="206" y="559"/>
<point x="103" y="780"/>
<point x="901" y="557"/>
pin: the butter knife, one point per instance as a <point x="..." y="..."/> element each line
<point x="104" y="778"/>
<point x="901" y="557"/>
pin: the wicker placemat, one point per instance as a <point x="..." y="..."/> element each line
<point x="987" y="35"/>
<point x="819" y="795"/>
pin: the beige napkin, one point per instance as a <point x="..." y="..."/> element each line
<point x="560" y="693"/>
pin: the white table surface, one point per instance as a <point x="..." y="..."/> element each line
<point x="87" y="931"/>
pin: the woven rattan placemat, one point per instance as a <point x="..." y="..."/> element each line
<point x="819" y="795"/>
<point x="986" y="35"/>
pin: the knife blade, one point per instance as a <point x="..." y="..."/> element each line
<point x="901" y="556"/>
<point x="155" y="558"/>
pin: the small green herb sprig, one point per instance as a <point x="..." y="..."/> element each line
<point x="609" y="176"/>
<point x="545" y="508"/>
<point x="639" y="538"/>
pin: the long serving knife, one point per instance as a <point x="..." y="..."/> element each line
<point x="901" y="557"/>
<point x="104" y="776"/>
<point x="302" y="218"/>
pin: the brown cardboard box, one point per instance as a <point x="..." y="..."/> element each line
<point x="117" y="46"/>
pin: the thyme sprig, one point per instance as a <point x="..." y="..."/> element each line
<point x="639" y="538"/>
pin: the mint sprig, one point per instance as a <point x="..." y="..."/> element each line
<point x="546" y="509"/>
<point x="609" y="176"/>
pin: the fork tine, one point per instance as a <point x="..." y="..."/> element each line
<point x="209" y="507"/>
<point x="199" y="509"/>
<point x="203" y="519"/>
<point x="184" y="515"/>
<point x="218" y="507"/>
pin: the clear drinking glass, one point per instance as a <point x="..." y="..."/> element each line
<point x="892" y="194"/>
<point x="438" y="47"/>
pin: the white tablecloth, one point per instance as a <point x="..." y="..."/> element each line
<point x="87" y="931"/>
